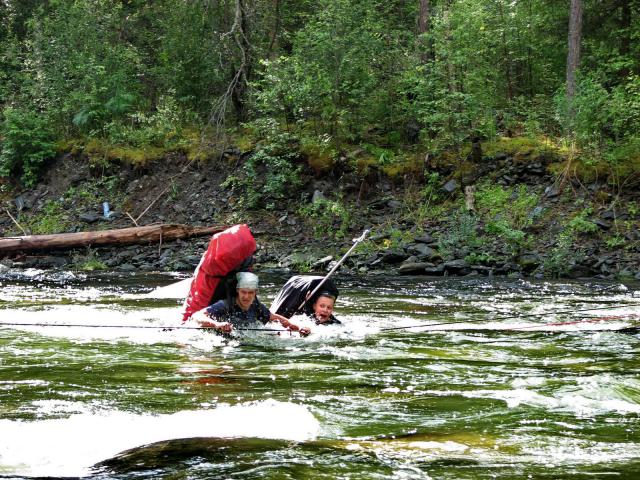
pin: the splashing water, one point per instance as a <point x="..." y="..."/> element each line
<point x="489" y="381"/>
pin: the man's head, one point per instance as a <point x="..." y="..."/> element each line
<point x="247" y="289"/>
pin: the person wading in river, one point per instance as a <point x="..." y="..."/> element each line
<point x="307" y="297"/>
<point x="323" y="309"/>
<point x="243" y="310"/>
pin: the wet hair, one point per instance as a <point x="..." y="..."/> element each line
<point x="327" y="294"/>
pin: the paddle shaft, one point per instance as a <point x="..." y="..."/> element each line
<point x="335" y="267"/>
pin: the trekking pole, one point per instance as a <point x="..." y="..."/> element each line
<point x="356" y="241"/>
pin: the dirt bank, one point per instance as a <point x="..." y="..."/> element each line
<point x="420" y="225"/>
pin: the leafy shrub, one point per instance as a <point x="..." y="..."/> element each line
<point x="28" y="143"/>
<point x="92" y="193"/>
<point x="615" y="241"/>
<point x="535" y="116"/>
<point x="512" y="236"/>
<point x="513" y="205"/>
<point x="162" y="128"/>
<point x="52" y="219"/>
<point x="606" y="121"/>
<point x="580" y="224"/>
<point x="562" y="255"/>
<point x="424" y="204"/>
<point x="506" y="212"/>
<point x="565" y="252"/>
<point x="271" y="173"/>
<point x="492" y="199"/>
<point x="88" y="262"/>
<point x="339" y="81"/>
<point x="463" y="232"/>
<point x="397" y="238"/>
<point x="475" y="258"/>
<point x="328" y="218"/>
<point x="624" y="108"/>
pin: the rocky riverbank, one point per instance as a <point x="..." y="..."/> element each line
<point x="512" y="217"/>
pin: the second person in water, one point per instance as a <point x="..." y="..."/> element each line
<point x="312" y="296"/>
<point x="323" y="309"/>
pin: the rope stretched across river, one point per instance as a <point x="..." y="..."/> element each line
<point x="387" y="329"/>
<point x="164" y="328"/>
<point x="517" y="317"/>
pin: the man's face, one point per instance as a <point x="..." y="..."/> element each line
<point x="245" y="298"/>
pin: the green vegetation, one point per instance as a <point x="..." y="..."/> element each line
<point x="506" y="213"/>
<point x="462" y="234"/>
<point x="563" y="253"/>
<point x="480" y="259"/>
<point x="580" y="224"/>
<point x="327" y="218"/>
<point x="615" y="241"/>
<point x="88" y="261"/>
<point x="26" y="144"/>
<point x="526" y="148"/>
<point x="272" y="173"/>
<point x="425" y="202"/>
<point x="138" y="78"/>
<point x="566" y="252"/>
<point x="346" y="89"/>
<point x="52" y="218"/>
<point x="59" y="215"/>
<point x="95" y="192"/>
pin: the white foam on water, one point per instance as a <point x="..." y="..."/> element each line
<point x="88" y="323"/>
<point x="588" y="397"/>
<point x="559" y="450"/>
<point x="178" y="290"/>
<point x="71" y="446"/>
<point x="514" y="398"/>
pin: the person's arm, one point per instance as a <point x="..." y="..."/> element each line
<point x="274" y="317"/>
<point x="207" y="318"/>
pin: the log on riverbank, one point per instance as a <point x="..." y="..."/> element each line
<point x="123" y="236"/>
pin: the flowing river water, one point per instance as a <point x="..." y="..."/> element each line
<point x="525" y="384"/>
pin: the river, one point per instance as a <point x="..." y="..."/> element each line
<point x="521" y="382"/>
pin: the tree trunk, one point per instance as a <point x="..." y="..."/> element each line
<point x="573" y="53"/>
<point x="276" y="28"/>
<point x="241" y="35"/>
<point x="123" y="236"/>
<point x="451" y="80"/>
<point x="506" y="55"/>
<point x="625" y="35"/>
<point x="424" y="22"/>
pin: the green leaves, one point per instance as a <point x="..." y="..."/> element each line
<point x="28" y="143"/>
<point x="355" y="70"/>
<point x="270" y="174"/>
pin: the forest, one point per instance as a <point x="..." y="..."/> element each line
<point x="386" y="75"/>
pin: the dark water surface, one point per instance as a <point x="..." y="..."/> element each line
<point x="510" y="390"/>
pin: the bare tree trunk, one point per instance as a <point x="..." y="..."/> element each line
<point x="451" y="80"/>
<point x="276" y="27"/>
<point x="241" y="35"/>
<point x="530" y="51"/>
<point x="238" y="36"/>
<point x="625" y="40"/>
<point x="424" y="23"/>
<point x="506" y="56"/>
<point x="573" y="53"/>
<point x="122" y="236"/>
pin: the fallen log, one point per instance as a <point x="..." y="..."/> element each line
<point x="122" y="236"/>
